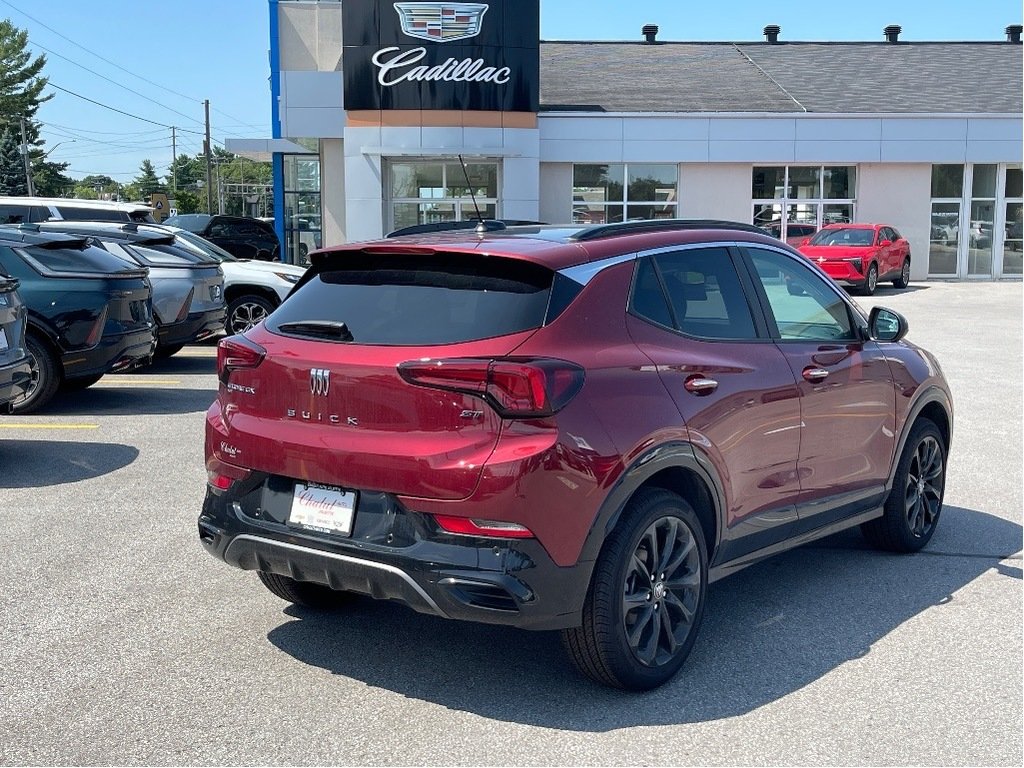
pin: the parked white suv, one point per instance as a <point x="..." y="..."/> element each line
<point x="252" y="289"/>
<point x="32" y="210"/>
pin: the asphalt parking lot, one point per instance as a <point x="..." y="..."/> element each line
<point x="124" y="642"/>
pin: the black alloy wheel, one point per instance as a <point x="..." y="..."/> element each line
<point x="246" y="312"/>
<point x="45" y="377"/>
<point x="914" y="505"/>
<point x="646" y="597"/>
<point x="904" y="279"/>
<point x="661" y="591"/>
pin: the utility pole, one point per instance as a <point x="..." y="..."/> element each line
<point x="209" y="170"/>
<point x="174" y="160"/>
<point x="28" y="161"/>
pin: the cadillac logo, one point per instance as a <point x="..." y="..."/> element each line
<point x="441" y="22"/>
<point x="319" y="381"/>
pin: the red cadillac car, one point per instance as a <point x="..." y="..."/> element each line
<point x="573" y="428"/>
<point x="861" y="255"/>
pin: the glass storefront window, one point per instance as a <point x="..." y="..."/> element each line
<point x="944" y="238"/>
<point x="431" y="192"/>
<point x="806" y="196"/>
<point x="1013" y="245"/>
<point x="947" y="181"/>
<point x="599" y="191"/>
<point x="303" y="228"/>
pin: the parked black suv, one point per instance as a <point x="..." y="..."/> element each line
<point x="243" y="238"/>
<point x="188" y="286"/>
<point x="15" y="370"/>
<point x="89" y="312"/>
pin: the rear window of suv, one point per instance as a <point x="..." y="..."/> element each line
<point x="80" y="261"/>
<point x="440" y="298"/>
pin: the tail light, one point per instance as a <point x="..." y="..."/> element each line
<point x="237" y="352"/>
<point x="516" y="389"/>
<point x="97" y="329"/>
<point x="221" y="476"/>
<point x="467" y="526"/>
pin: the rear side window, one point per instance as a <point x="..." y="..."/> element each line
<point x="420" y="300"/>
<point x="89" y="260"/>
<point x="696" y="291"/>
<point x="69" y="213"/>
<point x="14" y="214"/>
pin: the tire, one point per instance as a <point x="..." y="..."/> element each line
<point x="871" y="281"/>
<point x="46" y="377"/>
<point x="246" y="312"/>
<point x="914" y="505"/>
<point x="903" y="280"/>
<point x="80" y="382"/>
<point x="303" y="593"/>
<point x="621" y="642"/>
<point x="162" y="353"/>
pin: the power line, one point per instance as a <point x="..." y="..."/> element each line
<point x="119" y="85"/>
<point x="115" y="109"/>
<point x="118" y="66"/>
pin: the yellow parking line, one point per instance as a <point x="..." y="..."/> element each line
<point x="49" y="426"/>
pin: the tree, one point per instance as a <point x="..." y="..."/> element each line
<point x="21" y="85"/>
<point x="12" y="166"/>
<point x="147" y="182"/>
<point x="50" y="180"/>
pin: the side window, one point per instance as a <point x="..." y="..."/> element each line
<point x="221" y="229"/>
<point x="704" y="293"/>
<point x="895" y="235"/>
<point x="14" y="214"/>
<point x="804" y="305"/>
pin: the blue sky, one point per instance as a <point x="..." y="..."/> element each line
<point x="188" y="50"/>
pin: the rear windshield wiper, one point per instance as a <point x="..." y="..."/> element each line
<point x="320" y="329"/>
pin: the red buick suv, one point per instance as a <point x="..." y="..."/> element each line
<point x="566" y="428"/>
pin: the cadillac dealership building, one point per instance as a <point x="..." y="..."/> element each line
<point x="374" y="102"/>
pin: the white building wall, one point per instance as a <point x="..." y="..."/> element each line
<point x="364" y="185"/>
<point x="555" y="193"/>
<point x="715" y="191"/>
<point x="899" y="194"/>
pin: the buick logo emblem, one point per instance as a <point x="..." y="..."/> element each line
<point x="441" y="22"/>
<point x="319" y="381"/>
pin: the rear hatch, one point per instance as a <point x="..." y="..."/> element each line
<point x="327" y="403"/>
<point x="184" y="282"/>
<point x="12" y="322"/>
<point x="84" y="269"/>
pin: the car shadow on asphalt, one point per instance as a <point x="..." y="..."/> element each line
<point x="112" y="400"/>
<point x="65" y="461"/>
<point x="768" y="631"/>
<point x="180" y="364"/>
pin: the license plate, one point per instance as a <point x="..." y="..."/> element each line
<point x="322" y="508"/>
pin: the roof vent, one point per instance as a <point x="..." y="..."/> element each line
<point x="650" y="32"/>
<point x="892" y="33"/>
<point x="1013" y="33"/>
<point x="771" y="33"/>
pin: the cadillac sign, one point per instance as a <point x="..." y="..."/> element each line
<point x="441" y="55"/>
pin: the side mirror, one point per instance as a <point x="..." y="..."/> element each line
<point x="885" y="243"/>
<point x="887" y="325"/>
<point x="805" y="241"/>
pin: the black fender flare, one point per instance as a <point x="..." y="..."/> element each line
<point x="927" y="396"/>
<point x="42" y="327"/>
<point x="680" y="454"/>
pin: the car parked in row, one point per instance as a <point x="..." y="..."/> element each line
<point x="34" y="210"/>
<point x="89" y="311"/>
<point x="242" y="237"/>
<point x="861" y="255"/>
<point x="573" y="428"/>
<point x="15" y="368"/>
<point x="188" y="287"/>
<point x="252" y="289"/>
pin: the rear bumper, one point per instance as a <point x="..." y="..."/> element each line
<point x="395" y="554"/>
<point x="195" y="327"/>
<point x="14" y="380"/>
<point x="114" y="353"/>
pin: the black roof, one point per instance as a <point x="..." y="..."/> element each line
<point x="942" y="77"/>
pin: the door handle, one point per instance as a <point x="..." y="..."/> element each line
<point x="814" y="375"/>
<point x="700" y="385"/>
